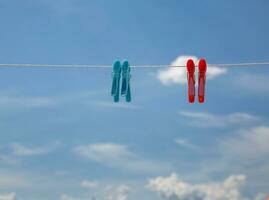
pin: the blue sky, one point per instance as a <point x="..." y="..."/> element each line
<point x="62" y="137"/>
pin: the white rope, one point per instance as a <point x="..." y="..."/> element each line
<point x="253" y="64"/>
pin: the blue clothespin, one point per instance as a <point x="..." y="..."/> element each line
<point x="116" y="75"/>
<point x="126" y="76"/>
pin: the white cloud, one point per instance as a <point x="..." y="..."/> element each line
<point x="118" y="156"/>
<point x="249" y="145"/>
<point x="187" y="144"/>
<point x="174" y="75"/>
<point x="8" y="160"/>
<point x="15" y="101"/>
<point x="172" y="188"/>
<point x="89" y="184"/>
<point x="107" y="192"/>
<point x="209" y="120"/>
<point x="261" y="196"/>
<point x="119" y="193"/>
<point x="13" y="180"/>
<point x="20" y="150"/>
<point x="104" y="104"/>
<point x="257" y="83"/>
<point x="11" y="196"/>
<point x="67" y="197"/>
<point x="102" y="151"/>
<point x="242" y="151"/>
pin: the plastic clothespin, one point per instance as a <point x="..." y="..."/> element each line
<point x="191" y="80"/>
<point x="126" y="76"/>
<point x="202" y="80"/>
<point x="116" y="75"/>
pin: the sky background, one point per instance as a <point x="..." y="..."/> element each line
<point x="63" y="138"/>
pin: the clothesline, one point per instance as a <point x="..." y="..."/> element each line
<point x="21" y="65"/>
<point x="121" y="74"/>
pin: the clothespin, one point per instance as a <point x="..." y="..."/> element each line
<point x="191" y="80"/>
<point x="202" y="80"/>
<point x="116" y="75"/>
<point x="125" y="86"/>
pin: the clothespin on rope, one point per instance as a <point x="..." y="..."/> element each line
<point x="118" y="72"/>
<point x="191" y="80"/>
<point x="201" y="80"/>
<point x="202" y="66"/>
<point x="126" y="76"/>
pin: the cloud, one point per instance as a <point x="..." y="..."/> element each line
<point x="10" y="196"/>
<point x="100" y="151"/>
<point x="172" y="76"/>
<point x="67" y="197"/>
<point x="186" y="144"/>
<point x="89" y="184"/>
<point x="13" y="180"/>
<point x="8" y="160"/>
<point x="118" y="156"/>
<point x="242" y="151"/>
<point x="209" y="120"/>
<point x="249" y="145"/>
<point x="119" y="193"/>
<point x="261" y="196"/>
<point x="108" y="192"/>
<point x="103" y="104"/>
<point x="20" y="150"/>
<point x="172" y="188"/>
<point x="15" y="101"/>
<point x="257" y="83"/>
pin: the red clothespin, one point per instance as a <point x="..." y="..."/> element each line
<point x="191" y="80"/>
<point x="202" y="80"/>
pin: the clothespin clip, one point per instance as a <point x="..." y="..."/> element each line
<point x="116" y="75"/>
<point x="191" y="80"/>
<point x="202" y="80"/>
<point x="125" y="86"/>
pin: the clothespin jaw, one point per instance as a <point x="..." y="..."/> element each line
<point x="116" y="75"/>
<point x="126" y="76"/>
<point x="191" y="80"/>
<point x="202" y="80"/>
